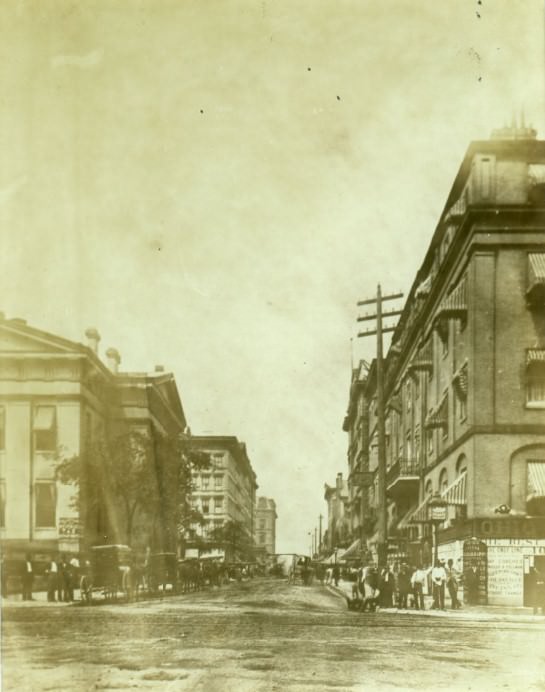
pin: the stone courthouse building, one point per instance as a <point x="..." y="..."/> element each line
<point x="465" y="381"/>
<point x="57" y="395"/>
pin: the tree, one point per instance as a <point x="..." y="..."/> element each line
<point x="134" y="487"/>
<point x="235" y="538"/>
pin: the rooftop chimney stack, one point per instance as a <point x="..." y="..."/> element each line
<point x="112" y="354"/>
<point x="93" y="338"/>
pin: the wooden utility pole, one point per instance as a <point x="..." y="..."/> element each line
<point x="320" y="522"/>
<point x="382" y="547"/>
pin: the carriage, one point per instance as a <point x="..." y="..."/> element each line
<point x="162" y="570"/>
<point x="109" y="570"/>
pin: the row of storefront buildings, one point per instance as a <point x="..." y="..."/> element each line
<point x="464" y="388"/>
<point x="58" y="398"/>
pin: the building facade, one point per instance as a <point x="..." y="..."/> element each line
<point x="56" y="398"/>
<point x="337" y="534"/>
<point x="225" y="496"/>
<point x="465" y="379"/>
<point x="265" y="525"/>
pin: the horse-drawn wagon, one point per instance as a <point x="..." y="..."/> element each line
<point x="108" y="570"/>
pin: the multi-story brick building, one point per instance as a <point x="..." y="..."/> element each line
<point x="56" y="397"/>
<point x="337" y="534"/>
<point x="265" y="525"/>
<point x="225" y="494"/>
<point x="465" y="377"/>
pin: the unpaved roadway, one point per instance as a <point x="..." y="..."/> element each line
<point x="264" y="636"/>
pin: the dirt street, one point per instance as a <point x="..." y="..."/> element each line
<point x="263" y="636"/>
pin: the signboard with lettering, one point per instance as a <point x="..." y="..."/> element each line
<point x="437" y="513"/>
<point x="475" y="571"/>
<point x="69" y="527"/>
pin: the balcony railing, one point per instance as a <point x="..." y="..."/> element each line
<point x="402" y="477"/>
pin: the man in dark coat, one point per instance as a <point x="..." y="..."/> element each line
<point x="27" y="578"/>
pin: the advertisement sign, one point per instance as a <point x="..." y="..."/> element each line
<point x="438" y="513"/>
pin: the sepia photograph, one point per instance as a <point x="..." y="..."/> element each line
<point x="272" y="345"/>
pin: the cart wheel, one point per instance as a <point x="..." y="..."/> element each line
<point x="86" y="590"/>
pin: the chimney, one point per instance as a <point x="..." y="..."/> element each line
<point x="93" y="337"/>
<point x="159" y="368"/>
<point x="339" y="482"/>
<point x="112" y="354"/>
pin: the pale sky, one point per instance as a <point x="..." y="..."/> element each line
<point x="214" y="184"/>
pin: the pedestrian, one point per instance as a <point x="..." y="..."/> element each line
<point x="386" y="586"/>
<point x="452" y="585"/>
<point x="438" y="581"/>
<point x="52" y="580"/>
<point x="418" y="581"/>
<point x="471" y="585"/>
<point x="403" y="586"/>
<point x="336" y="574"/>
<point x="370" y="589"/>
<point x="74" y="568"/>
<point x="65" y="579"/>
<point x="536" y="587"/>
<point x="27" y="578"/>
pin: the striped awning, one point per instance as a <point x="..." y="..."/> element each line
<point x="405" y="521"/>
<point x="536" y="479"/>
<point x="455" y="304"/>
<point x="536" y="269"/>
<point x="455" y="493"/>
<point x="394" y="402"/>
<point x="423" y="359"/>
<point x="460" y="380"/>
<point x="420" y="513"/>
<point x="438" y="417"/>
<point x="535" y="355"/>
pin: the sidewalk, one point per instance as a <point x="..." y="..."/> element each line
<point x="39" y="598"/>
<point x="467" y="612"/>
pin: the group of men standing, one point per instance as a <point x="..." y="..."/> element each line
<point x="405" y="587"/>
<point x="61" y="574"/>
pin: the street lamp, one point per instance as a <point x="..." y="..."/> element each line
<point x="437" y="514"/>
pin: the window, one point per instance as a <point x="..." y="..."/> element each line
<point x="262" y="523"/>
<point x="205" y="482"/>
<point x="2" y="427"/>
<point x="205" y="506"/>
<point x="2" y="505"/>
<point x="262" y="538"/>
<point x="218" y="482"/>
<point x="535" y="392"/>
<point x="45" y="429"/>
<point x="462" y="408"/>
<point x="429" y="439"/>
<point x="409" y="447"/>
<point x="217" y="460"/>
<point x="218" y="504"/>
<point x="46" y="504"/>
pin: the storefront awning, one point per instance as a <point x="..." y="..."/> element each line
<point x="44" y="418"/>
<point x="536" y="479"/>
<point x="332" y="559"/>
<point x="455" y="493"/>
<point x="353" y="550"/>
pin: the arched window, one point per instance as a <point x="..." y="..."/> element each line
<point x="443" y="480"/>
<point x="461" y="465"/>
